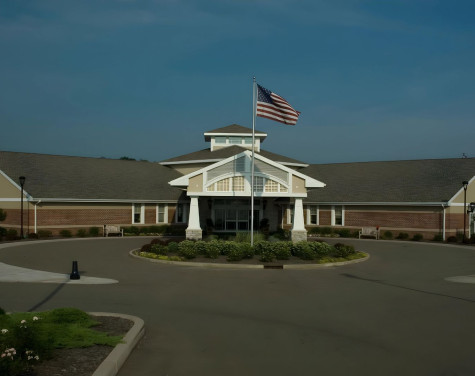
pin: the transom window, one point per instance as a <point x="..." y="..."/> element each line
<point x="220" y="140"/>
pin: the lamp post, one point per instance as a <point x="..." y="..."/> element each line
<point x="22" y="183"/>
<point x="465" y="185"/>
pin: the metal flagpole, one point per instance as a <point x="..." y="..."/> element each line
<point x="252" y="163"/>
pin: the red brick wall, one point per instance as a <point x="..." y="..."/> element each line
<point x="394" y="219"/>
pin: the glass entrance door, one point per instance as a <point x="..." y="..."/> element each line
<point x="234" y="215"/>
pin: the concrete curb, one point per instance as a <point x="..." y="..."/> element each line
<point x="111" y="365"/>
<point x="246" y="266"/>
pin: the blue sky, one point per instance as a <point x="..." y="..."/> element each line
<point x="374" y="80"/>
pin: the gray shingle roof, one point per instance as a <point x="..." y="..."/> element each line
<point x="235" y="128"/>
<point x="207" y="154"/>
<point x="432" y="180"/>
<point x="54" y="176"/>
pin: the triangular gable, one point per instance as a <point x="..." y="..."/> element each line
<point x="234" y="166"/>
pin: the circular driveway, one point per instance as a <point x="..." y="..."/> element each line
<point x="395" y="314"/>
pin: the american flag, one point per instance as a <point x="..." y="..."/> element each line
<point x="274" y="107"/>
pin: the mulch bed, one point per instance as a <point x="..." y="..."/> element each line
<point x="82" y="361"/>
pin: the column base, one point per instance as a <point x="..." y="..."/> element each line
<point x="298" y="235"/>
<point x="194" y="234"/>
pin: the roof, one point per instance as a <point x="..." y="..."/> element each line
<point x="234" y="129"/>
<point x="217" y="155"/>
<point x="416" y="181"/>
<point x="80" y="178"/>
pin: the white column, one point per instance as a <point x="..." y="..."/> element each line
<point x="193" y="230"/>
<point x="299" y="232"/>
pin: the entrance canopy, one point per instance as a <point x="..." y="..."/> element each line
<point x="232" y="177"/>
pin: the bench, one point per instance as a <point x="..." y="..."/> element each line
<point x="111" y="229"/>
<point x="369" y="231"/>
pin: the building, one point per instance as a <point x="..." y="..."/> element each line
<point x="209" y="190"/>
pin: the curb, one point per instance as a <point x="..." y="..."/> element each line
<point x="111" y="365"/>
<point x="245" y="266"/>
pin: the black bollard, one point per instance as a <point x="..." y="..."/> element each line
<point x="75" y="273"/>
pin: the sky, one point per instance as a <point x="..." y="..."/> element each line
<point x="373" y="80"/>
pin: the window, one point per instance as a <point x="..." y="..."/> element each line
<point x="248" y="140"/>
<point x="313" y="214"/>
<point x="337" y="215"/>
<point x="238" y="184"/>
<point x="161" y="213"/>
<point x="258" y="183"/>
<point x="271" y="186"/>
<point x="235" y="140"/>
<point x="240" y="164"/>
<point x="137" y="214"/>
<point x="223" y="185"/>
<point x="220" y="140"/>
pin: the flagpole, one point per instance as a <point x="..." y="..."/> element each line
<point x="252" y="163"/>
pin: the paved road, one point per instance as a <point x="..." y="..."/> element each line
<point x="394" y="314"/>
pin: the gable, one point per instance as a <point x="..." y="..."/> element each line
<point x="8" y="189"/>
<point x="233" y="176"/>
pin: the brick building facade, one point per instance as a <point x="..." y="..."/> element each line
<point x="210" y="189"/>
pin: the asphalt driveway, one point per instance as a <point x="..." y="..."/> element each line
<point x="395" y="314"/>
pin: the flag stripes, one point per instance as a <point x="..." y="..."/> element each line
<point x="274" y="107"/>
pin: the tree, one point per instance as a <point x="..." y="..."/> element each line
<point x="127" y="159"/>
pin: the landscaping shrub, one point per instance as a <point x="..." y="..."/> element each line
<point x="12" y="234"/>
<point x="160" y="241"/>
<point x="282" y="234"/>
<point x="388" y="235"/>
<point x="266" y="255"/>
<point x="201" y="247"/>
<point x="65" y="233"/>
<point x="158" y="249"/>
<point x="417" y="237"/>
<point x="403" y="236"/>
<point x="187" y="249"/>
<point x="343" y="232"/>
<point x="213" y="249"/>
<point x="94" y="231"/>
<point x="321" y="249"/>
<point x="146" y="248"/>
<point x="303" y="250"/>
<point x="3" y="232"/>
<point x="452" y="239"/>
<point x="282" y="250"/>
<point x="32" y="235"/>
<point x="235" y="253"/>
<point x="247" y="250"/>
<point x="262" y="246"/>
<point x="438" y="238"/>
<point x="326" y="231"/>
<point x="313" y="231"/>
<point x="173" y="247"/>
<point x="44" y="234"/>
<point x="81" y="233"/>
<point x="342" y="250"/>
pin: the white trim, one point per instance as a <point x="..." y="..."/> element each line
<point x="459" y="192"/>
<point x="165" y="213"/>
<point x="379" y="203"/>
<point x="309" y="215"/>
<point x="142" y="213"/>
<point x="17" y="186"/>
<point x="235" y="134"/>
<point x="191" y="161"/>
<point x="333" y="215"/>
<point x="309" y="182"/>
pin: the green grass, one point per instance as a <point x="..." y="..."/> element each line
<point x="61" y="328"/>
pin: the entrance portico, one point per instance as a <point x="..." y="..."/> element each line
<point x="222" y="191"/>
